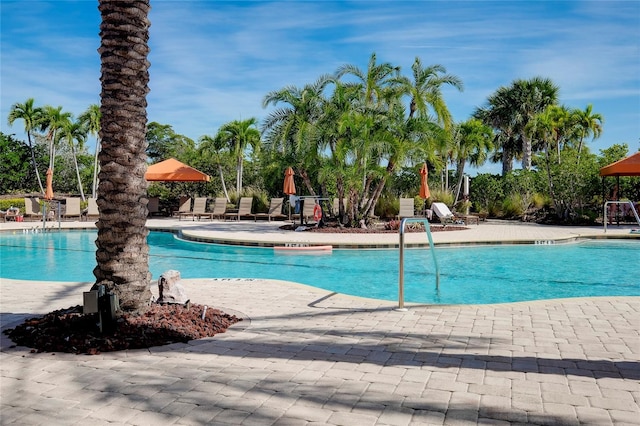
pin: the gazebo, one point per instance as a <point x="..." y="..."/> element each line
<point x="629" y="166"/>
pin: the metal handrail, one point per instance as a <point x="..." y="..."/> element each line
<point x="401" y="271"/>
<point x="606" y="204"/>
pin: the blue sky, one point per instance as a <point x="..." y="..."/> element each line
<point x="213" y="61"/>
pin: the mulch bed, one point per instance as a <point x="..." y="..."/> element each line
<point x="68" y="330"/>
<point x="334" y="229"/>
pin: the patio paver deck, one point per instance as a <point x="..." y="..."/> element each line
<point x="307" y="356"/>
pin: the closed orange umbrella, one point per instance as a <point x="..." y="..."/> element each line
<point x="48" y="194"/>
<point x="289" y="184"/>
<point x="424" y="185"/>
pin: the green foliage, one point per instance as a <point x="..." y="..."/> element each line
<point x="7" y="203"/>
<point x="260" y="199"/>
<point x="387" y="207"/>
<point x="445" y="196"/>
<point x="164" y="143"/>
<point x="514" y="205"/>
<point x="15" y="166"/>
<point x="486" y="192"/>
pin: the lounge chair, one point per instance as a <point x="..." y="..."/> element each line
<point x="307" y="210"/>
<point x="219" y="208"/>
<point x="72" y="208"/>
<point x="275" y="210"/>
<point x="444" y="214"/>
<point x="92" y="209"/>
<point x="32" y="208"/>
<point x="184" y="209"/>
<point x="200" y="208"/>
<point x="244" y="209"/>
<point x="407" y="208"/>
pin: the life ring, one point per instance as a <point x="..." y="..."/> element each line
<point x="317" y="212"/>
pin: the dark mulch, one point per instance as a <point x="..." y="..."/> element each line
<point x="68" y="330"/>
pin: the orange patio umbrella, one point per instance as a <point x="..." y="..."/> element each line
<point x="48" y="194"/>
<point x="172" y="170"/>
<point x="289" y="184"/>
<point x="424" y="185"/>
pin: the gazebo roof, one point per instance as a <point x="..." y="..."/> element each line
<point x="629" y="166"/>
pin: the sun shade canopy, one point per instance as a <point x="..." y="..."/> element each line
<point x="629" y="166"/>
<point x="172" y="170"/>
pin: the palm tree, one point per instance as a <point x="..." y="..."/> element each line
<point x="472" y="142"/>
<point x="531" y="97"/>
<point x="52" y="121"/>
<point x="376" y="82"/>
<point x="122" y="251"/>
<point x="379" y="86"/>
<point x="290" y="130"/>
<point x="214" y="147"/>
<point x="425" y="91"/>
<point x="238" y="135"/>
<point x="31" y="116"/>
<point x="91" y="120"/>
<point x="72" y="132"/>
<point x="589" y="123"/>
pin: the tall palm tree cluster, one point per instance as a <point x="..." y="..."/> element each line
<point x="353" y="129"/>
<point x="58" y="127"/>
<point x="527" y="118"/>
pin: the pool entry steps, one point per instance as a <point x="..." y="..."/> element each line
<point x="427" y="228"/>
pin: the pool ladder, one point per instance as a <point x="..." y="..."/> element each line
<point x="427" y="228"/>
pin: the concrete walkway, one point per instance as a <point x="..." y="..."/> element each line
<point x="305" y="356"/>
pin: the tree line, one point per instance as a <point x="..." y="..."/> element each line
<point x="360" y="135"/>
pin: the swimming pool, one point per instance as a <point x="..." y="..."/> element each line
<point x="468" y="275"/>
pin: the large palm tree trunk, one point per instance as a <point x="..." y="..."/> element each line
<point x="123" y="254"/>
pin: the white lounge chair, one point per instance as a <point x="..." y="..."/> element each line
<point x="444" y="214"/>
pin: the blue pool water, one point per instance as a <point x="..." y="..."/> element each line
<point x="468" y="275"/>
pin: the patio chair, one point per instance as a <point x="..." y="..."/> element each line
<point x="219" y="208"/>
<point x="200" y="209"/>
<point x="184" y="209"/>
<point x="307" y="210"/>
<point x="32" y="208"/>
<point x="407" y="208"/>
<point x="92" y="209"/>
<point x="275" y="210"/>
<point x="444" y="214"/>
<point x="244" y="209"/>
<point x="153" y="206"/>
<point x="72" y="208"/>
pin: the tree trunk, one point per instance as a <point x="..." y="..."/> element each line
<point x="34" y="163"/>
<point x="75" y="162"/>
<point x="224" y="186"/>
<point x="94" y="187"/>
<point x="526" y="152"/>
<point x="122" y="252"/>
<point x="239" y="177"/>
